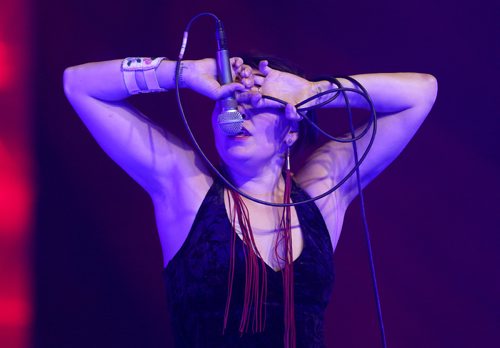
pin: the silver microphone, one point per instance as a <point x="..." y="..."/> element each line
<point x="230" y="119"/>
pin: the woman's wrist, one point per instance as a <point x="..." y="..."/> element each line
<point x="187" y="74"/>
<point x="166" y="74"/>
<point x="315" y="88"/>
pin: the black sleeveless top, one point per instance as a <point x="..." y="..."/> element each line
<point x="196" y="282"/>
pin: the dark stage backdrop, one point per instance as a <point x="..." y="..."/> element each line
<point x="434" y="213"/>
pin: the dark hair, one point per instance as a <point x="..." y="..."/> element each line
<point x="307" y="134"/>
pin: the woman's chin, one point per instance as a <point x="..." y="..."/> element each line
<point x="241" y="152"/>
<point x="237" y="155"/>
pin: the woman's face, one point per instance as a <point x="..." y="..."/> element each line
<point x="261" y="140"/>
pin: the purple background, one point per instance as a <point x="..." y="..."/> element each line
<point x="433" y="214"/>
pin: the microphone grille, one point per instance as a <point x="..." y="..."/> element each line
<point x="230" y="122"/>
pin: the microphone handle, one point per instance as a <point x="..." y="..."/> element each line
<point x="230" y="120"/>
<point x="225" y="77"/>
<point x="224" y="67"/>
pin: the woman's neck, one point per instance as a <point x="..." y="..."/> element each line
<point x="265" y="182"/>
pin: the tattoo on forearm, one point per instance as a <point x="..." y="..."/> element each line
<point x="182" y="83"/>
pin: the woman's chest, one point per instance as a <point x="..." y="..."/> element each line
<point x="264" y="228"/>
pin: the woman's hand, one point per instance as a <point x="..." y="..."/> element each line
<point x="282" y="85"/>
<point x="287" y="87"/>
<point x="201" y="77"/>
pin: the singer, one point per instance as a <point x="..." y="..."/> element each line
<point x="237" y="273"/>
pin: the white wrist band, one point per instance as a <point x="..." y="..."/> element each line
<point x="132" y="65"/>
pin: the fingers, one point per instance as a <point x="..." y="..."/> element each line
<point x="236" y="62"/>
<point x="291" y="113"/>
<point x="259" y="80"/>
<point x="230" y="88"/>
<point x="255" y="99"/>
<point x="236" y="65"/>
<point x="250" y="97"/>
<point x="264" y="67"/>
<point x="248" y="82"/>
<point x="241" y="72"/>
<point x="245" y="71"/>
<point x="247" y="77"/>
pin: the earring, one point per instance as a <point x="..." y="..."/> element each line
<point x="288" y="159"/>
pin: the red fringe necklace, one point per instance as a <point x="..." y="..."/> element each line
<point x="255" y="267"/>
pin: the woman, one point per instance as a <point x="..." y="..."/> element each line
<point x="219" y="285"/>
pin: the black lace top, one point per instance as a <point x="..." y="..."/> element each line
<point x="196" y="282"/>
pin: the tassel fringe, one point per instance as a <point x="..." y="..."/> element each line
<point x="255" y="268"/>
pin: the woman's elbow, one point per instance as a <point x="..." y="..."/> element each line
<point x="69" y="81"/>
<point x="428" y="88"/>
<point x="72" y="81"/>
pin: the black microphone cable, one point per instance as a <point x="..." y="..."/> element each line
<point x="229" y="184"/>
<point x="302" y="111"/>
<point x="372" y="123"/>
<point x="363" y="212"/>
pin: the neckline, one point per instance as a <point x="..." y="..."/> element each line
<point x="265" y="263"/>
<point x="243" y="244"/>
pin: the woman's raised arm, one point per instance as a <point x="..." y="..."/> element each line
<point x="149" y="154"/>
<point x="402" y="102"/>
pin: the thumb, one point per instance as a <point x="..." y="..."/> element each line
<point x="230" y="88"/>
<point x="264" y="67"/>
